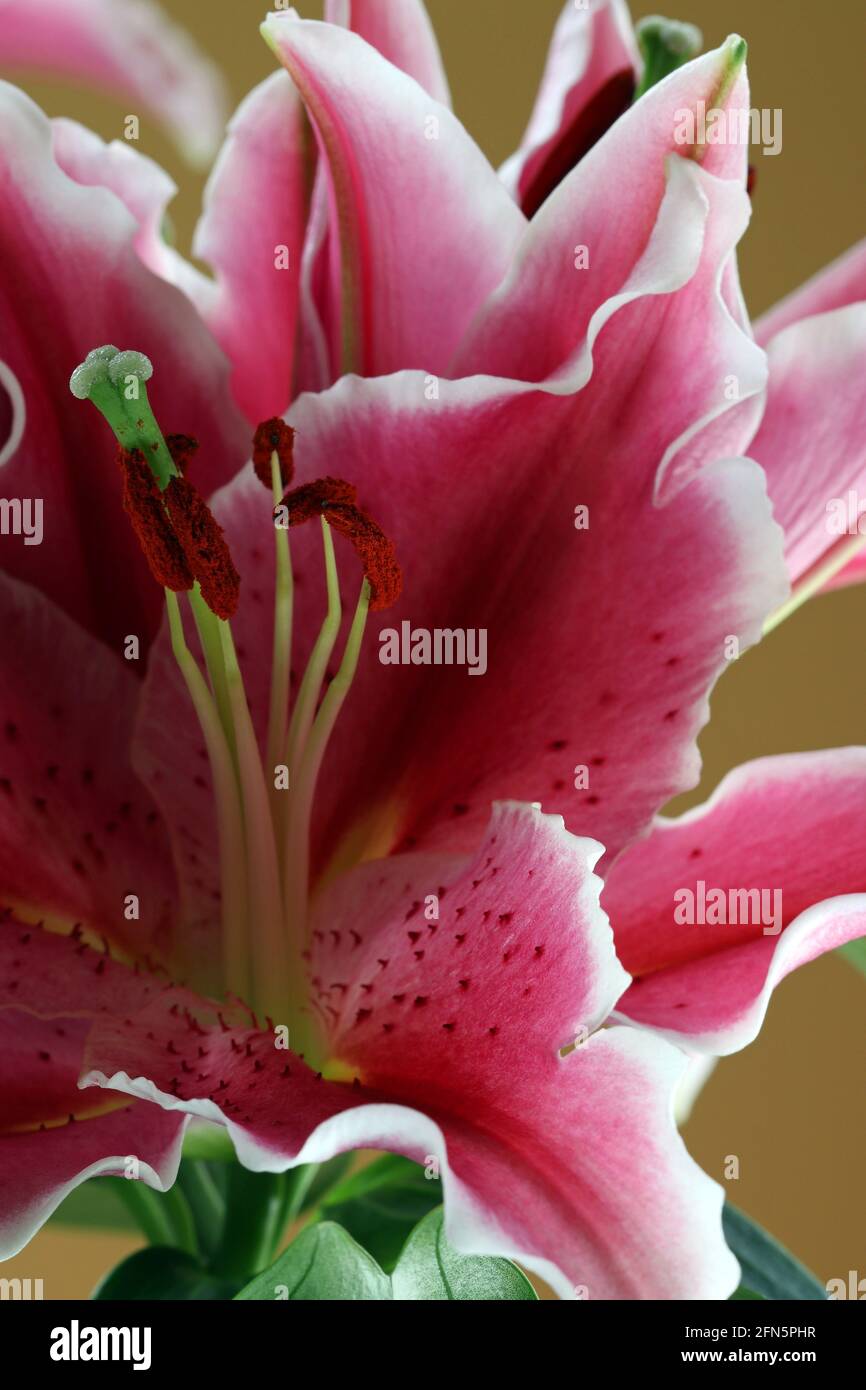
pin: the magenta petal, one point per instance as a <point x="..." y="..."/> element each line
<point x="572" y="1165"/>
<point x="589" y="47"/>
<point x="53" y="1135"/>
<point x="252" y="235"/>
<point x="510" y="947"/>
<point x="140" y="184"/>
<point x="53" y="976"/>
<point x="131" y="50"/>
<point x="812" y="439"/>
<point x="792" y="826"/>
<point x="814" y="458"/>
<point x="843" y="282"/>
<point x="402" y="33"/>
<point x="71" y="251"/>
<point x="399" y="164"/>
<point x="78" y="831"/>
<point x="38" y="1169"/>
<point x="541" y="313"/>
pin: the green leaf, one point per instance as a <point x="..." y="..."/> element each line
<point x="382" y="1203"/>
<point x="162" y="1273"/>
<point x="429" y="1269"/>
<point x="768" y="1269"/>
<point x="323" y="1263"/>
<point x="855" y="953"/>
<point x="744" y="1293"/>
<point x="95" y="1203"/>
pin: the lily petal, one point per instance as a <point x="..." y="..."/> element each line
<point x="591" y="47"/>
<point x="542" y="311"/>
<point x="132" y="50"/>
<point x="53" y="1135"/>
<point x="791" y="826"/>
<point x="37" y="1170"/>
<point x="66" y="455"/>
<point x="840" y="283"/>
<point x="570" y="1164"/>
<point x="252" y="234"/>
<point x="140" y="183"/>
<point x="402" y="33"/>
<point x="812" y="438"/>
<point x="78" y="831"/>
<point x="399" y="163"/>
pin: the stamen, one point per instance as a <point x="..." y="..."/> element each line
<point x="311" y="684"/>
<point x="282" y="646"/>
<point x="303" y="793"/>
<point x="203" y="543"/>
<point x="229" y="820"/>
<point x="279" y="972"/>
<point x="336" y="501"/>
<point x="142" y="503"/>
<point x="274" y="437"/>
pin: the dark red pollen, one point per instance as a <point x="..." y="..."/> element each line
<point x="182" y="447"/>
<point x="274" y="436"/>
<point x="142" y="503"/>
<point x="204" y="546"/>
<point x="336" y="501"/>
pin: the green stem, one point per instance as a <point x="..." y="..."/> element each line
<point x="308" y="695"/>
<point x="180" y="1216"/>
<point x="298" y="857"/>
<point x="207" y="626"/>
<point x="231" y="832"/>
<point x="163" y="1217"/>
<point x="205" y="1202"/>
<point x="146" y="1209"/>
<point x="253" y="1211"/>
<point x="273" y="978"/>
<point x="298" y="1182"/>
<point x="282" y="655"/>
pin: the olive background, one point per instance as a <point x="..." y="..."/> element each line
<point x="791" y="1107"/>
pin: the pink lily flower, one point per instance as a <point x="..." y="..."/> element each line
<point x="446" y="955"/>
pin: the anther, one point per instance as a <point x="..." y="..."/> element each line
<point x="336" y="501"/>
<point x="204" y="547"/>
<point x="274" y="437"/>
<point x="143" y="504"/>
